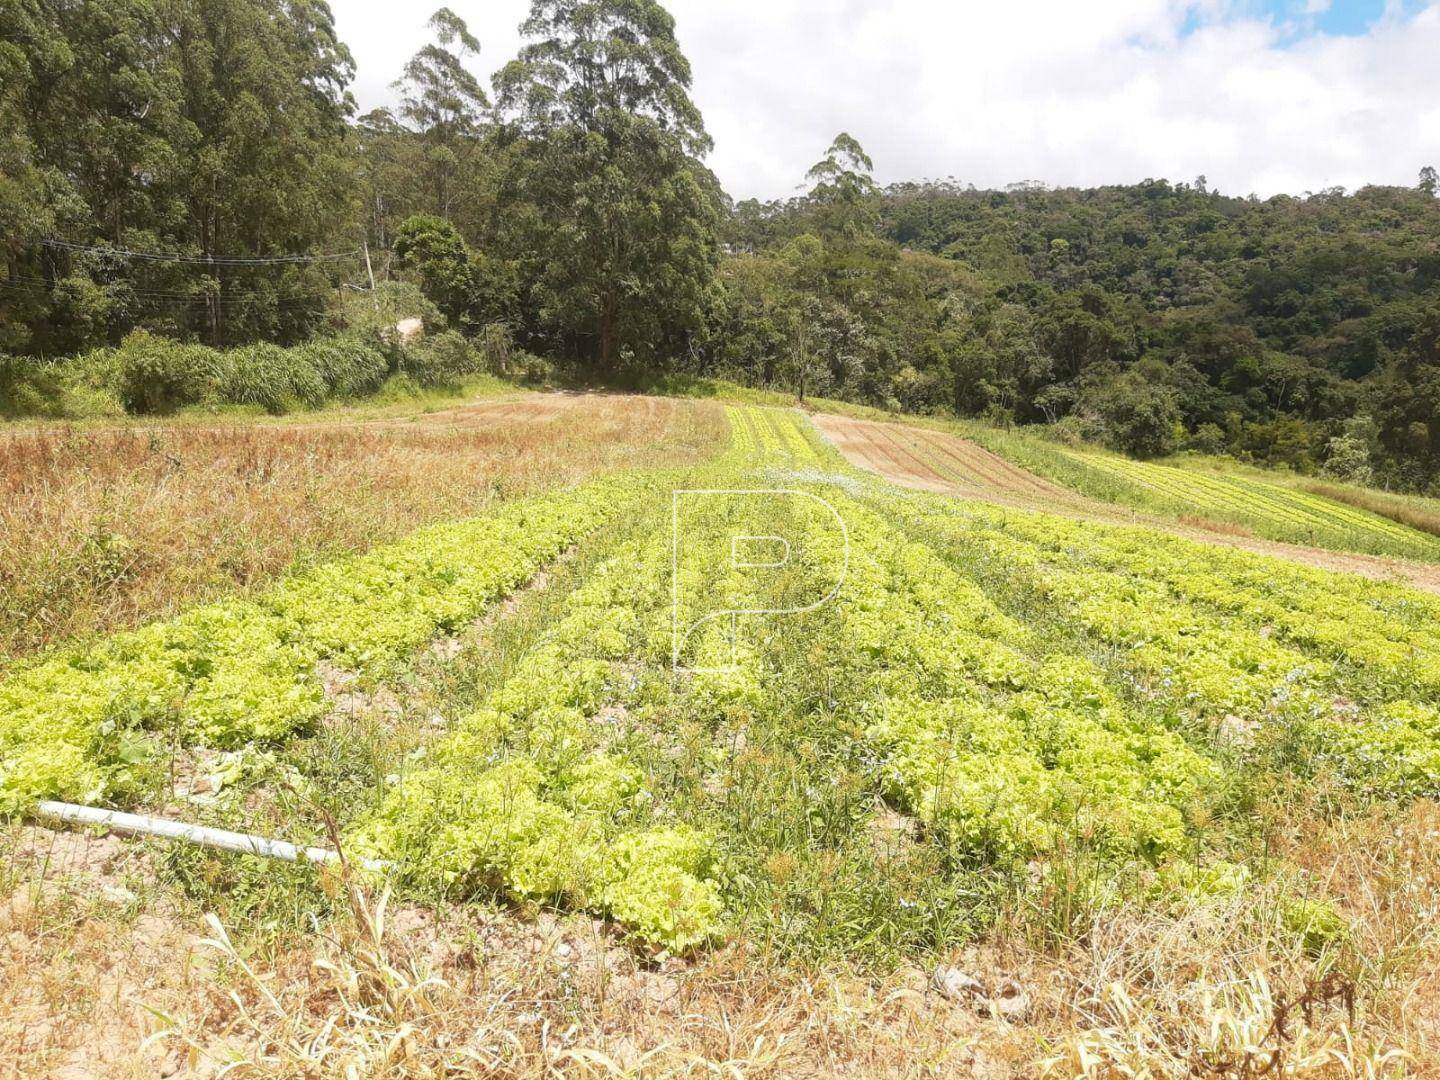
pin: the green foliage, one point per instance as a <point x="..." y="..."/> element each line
<point x="159" y="376"/>
<point x="1407" y="404"/>
<point x="445" y="105"/>
<point x="56" y="391"/>
<point x="348" y="367"/>
<point x="1140" y="417"/>
<point x="1068" y="709"/>
<point x="444" y="359"/>
<point x="1269" y="654"/>
<point x="844" y="187"/>
<point x="148" y="374"/>
<point x="1269" y="321"/>
<point x="613" y="221"/>
<point x="517" y="802"/>
<point x="208" y="129"/>
<point x="434" y="249"/>
<point x="90" y="725"/>
<point x="274" y="379"/>
<point x="1349" y="457"/>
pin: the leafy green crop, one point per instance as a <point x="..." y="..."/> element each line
<point x="82" y="725"/>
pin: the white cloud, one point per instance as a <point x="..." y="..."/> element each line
<point x="1109" y="91"/>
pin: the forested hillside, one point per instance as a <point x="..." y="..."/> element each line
<point x="1296" y="330"/>
<point x="199" y="171"/>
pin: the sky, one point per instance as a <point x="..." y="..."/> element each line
<point x="1259" y="96"/>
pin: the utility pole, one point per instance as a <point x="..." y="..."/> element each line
<point x="370" y="274"/>
<point x="365" y="244"/>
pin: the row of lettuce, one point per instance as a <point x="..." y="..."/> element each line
<point x="1297" y="513"/>
<point x="93" y="724"/>
<point x="534" y="795"/>
<point x="1276" y="511"/>
<point x="1106" y="708"/>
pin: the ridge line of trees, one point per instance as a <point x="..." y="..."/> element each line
<point x="565" y="206"/>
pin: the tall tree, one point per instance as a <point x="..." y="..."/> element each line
<point x="844" y="188"/>
<point x="446" y="105"/>
<point x="263" y="86"/>
<point x="28" y="50"/>
<point x="619" y="237"/>
<point x="206" y="128"/>
<point x="597" y="66"/>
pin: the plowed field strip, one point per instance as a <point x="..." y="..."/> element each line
<point x="929" y="460"/>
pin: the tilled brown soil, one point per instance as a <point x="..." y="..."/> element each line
<point x="928" y="460"/>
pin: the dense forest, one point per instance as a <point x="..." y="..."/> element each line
<point x="196" y="171"/>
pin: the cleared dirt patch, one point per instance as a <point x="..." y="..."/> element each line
<point x="927" y="460"/>
<point x="539" y="409"/>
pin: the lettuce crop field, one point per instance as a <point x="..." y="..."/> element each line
<point x="1284" y="512"/>
<point x="1219" y="495"/>
<point x="755" y="764"/>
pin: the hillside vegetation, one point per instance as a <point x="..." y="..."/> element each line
<point x="564" y="206"/>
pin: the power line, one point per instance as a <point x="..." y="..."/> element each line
<point x="37" y="287"/>
<point x="198" y="260"/>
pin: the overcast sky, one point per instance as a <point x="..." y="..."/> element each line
<point x="1261" y="96"/>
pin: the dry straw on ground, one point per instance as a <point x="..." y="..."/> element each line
<point x="94" y="974"/>
<point x="105" y="529"/>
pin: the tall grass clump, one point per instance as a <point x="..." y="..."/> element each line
<point x="150" y="375"/>
<point x="350" y="367"/>
<point x="55" y="390"/>
<point x="275" y="379"/>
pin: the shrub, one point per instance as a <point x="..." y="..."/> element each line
<point x="535" y="370"/>
<point x="1141" y="417"/>
<point x="67" y="390"/>
<point x="158" y="376"/>
<point x="29" y="388"/>
<point x="1208" y="439"/>
<point x="443" y="359"/>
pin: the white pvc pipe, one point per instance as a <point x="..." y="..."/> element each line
<point x="145" y="825"/>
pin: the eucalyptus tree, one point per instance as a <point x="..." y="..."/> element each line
<point x="844" y="188"/>
<point x="264" y="158"/>
<point x="615" y="219"/>
<point x="202" y="128"/>
<point x="28" y="50"/>
<point x="446" y="105"/>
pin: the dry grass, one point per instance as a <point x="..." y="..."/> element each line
<point x="1222" y="528"/>
<point x="1405" y="510"/>
<point x="104" y="529"/>
<point x="1202" y="988"/>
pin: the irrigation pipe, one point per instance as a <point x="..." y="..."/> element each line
<point x="223" y="839"/>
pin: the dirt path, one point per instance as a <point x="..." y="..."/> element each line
<point x="923" y="459"/>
